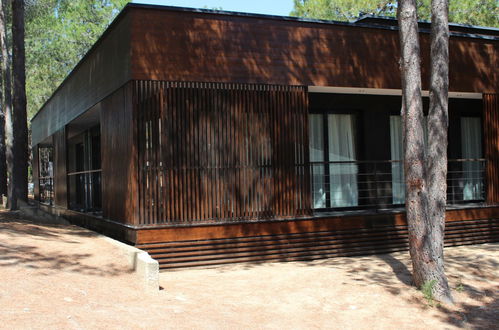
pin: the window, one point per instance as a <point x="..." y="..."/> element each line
<point x="46" y="174"/>
<point x="465" y="180"/>
<point x="471" y="153"/>
<point x="84" y="171"/>
<point x="333" y="159"/>
<point x="397" y="152"/>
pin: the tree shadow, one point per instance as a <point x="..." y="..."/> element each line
<point x="25" y="247"/>
<point x="470" y="270"/>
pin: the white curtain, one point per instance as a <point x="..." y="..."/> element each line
<point x="343" y="177"/>
<point x="397" y="152"/>
<point x="316" y="142"/>
<point x="471" y="148"/>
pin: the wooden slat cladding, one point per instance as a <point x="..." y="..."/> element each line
<point x="332" y="223"/>
<point x="310" y="245"/>
<point x="190" y="46"/>
<point x="60" y="168"/>
<point x="491" y="134"/>
<point x="211" y="151"/>
<point x="118" y="150"/>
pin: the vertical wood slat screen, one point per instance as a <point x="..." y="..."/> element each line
<point x="221" y="152"/>
<point x="491" y="130"/>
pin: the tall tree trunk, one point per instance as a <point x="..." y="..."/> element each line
<point x="425" y="243"/>
<point x="7" y="101"/>
<point x="3" y="160"/>
<point x="19" y="119"/>
<point x="414" y="167"/>
<point x="438" y="119"/>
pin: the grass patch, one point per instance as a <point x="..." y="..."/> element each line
<point x="460" y="286"/>
<point x="427" y="289"/>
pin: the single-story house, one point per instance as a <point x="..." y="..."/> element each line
<point x="206" y="136"/>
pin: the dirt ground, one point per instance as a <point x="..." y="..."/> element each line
<point x="66" y="277"/>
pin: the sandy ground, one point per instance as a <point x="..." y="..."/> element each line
<point x="65" y="277"/>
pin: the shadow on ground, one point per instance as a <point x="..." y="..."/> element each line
<point x="47" y="247"/>
<point x="470" y="276"/>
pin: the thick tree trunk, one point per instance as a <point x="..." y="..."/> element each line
<point x="3" y="160"/>
<point x="425" y="243"/>
<point x="20" y="120"/>
<point x="437" y="145"/>
<point x="7" y="101"/>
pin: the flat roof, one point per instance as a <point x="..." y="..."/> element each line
<point x="372" y="22"/>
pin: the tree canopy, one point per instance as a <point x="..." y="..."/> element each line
<point x="473" y="12"/>
<point x="58" y="34"/>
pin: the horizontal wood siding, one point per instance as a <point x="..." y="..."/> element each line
<point x="491" y="134"/>
<point x="60" y="168"/>
<point x="210" y="152"/>
<point x="189" y="46"/>
<point x="307" y="239"/>
<point x="118" y="155"/>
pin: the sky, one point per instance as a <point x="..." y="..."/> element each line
<point x="270" y="7"/>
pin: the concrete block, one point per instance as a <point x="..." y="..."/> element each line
<point x="147" y="270"/>
<point x="140" y="262"/>
<point x="145" y="267"/>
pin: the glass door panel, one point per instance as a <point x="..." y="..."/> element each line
<point x="471" y="151"/>
<point x="316" y="149"/>
<point x="343" y="169"/>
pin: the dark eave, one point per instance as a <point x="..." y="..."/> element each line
<point x="371" y="20"/>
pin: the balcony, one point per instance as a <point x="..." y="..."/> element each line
<point x="357" y="185"/>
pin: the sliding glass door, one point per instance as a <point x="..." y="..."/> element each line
<point x="397" y="152"/>
<point x="333" y="160"/>
<point x="471" y="152"/>
<point x="316" y="141"/>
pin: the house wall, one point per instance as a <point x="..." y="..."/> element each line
<point x="221" y="152"/>
<point x="104" y="69"/>
<point x="491" y="130"/>
<point x="193" y="46"/>
<point x="118" y="154"/>
<point x="60" y="168"/>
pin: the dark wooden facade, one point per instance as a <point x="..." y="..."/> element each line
<point x="210" y="152"/>
<point x="203" y="120"/>
<point x="491" y="125"/>
<point x="266" y="50"/>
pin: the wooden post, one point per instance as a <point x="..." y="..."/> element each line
<point x="491" y="139"/>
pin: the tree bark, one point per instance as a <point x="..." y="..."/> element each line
<point x="425" y="235"/>
<point x="19" y="119"/>
<point x="3" y="160"/>
<point x="7" y="101"/>
<point x="414" y="167"/>
<point x="438" y="119"/>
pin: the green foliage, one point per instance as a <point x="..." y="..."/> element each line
<point x="58" y="34"/>
<point x="342" y="10"/>
<point x="474" y="12"/>
<point x="427" y="290"/>
<point x="460" y="286"/>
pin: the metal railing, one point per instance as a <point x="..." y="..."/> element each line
<point x="381" y="184"/>
<point x="85" y="190"/>
<point x="46" y="186"/>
